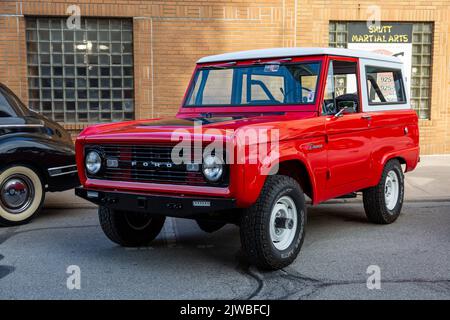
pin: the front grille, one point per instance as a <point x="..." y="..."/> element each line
<point x="145" y="163"/>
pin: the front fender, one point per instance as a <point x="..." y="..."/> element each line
<point x="40" y="152"/>
<point x="255" y="176"/>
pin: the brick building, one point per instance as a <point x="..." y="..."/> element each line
<point x="133" y="59"/>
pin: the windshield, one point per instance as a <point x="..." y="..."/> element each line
<point x="269" y="84"/>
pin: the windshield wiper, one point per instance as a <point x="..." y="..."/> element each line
<point x="279" y="61"/>
<point x="221" y="66"/>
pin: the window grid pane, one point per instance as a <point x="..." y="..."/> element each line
<point x="421" y="61"/>
<point x="421" y="69"/>
<point x="83" y="75"/>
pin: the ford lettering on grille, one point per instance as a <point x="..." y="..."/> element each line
<point x="152" y="164"/>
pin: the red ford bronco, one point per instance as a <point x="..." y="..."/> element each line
<point x="257" y="131"/>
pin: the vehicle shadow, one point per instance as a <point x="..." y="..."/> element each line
<point x="345" y="212"/>
<point x="181" y="241"/>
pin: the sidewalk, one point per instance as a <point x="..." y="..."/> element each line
<point x="429" y="182"/>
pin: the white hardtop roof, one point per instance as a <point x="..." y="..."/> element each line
<point x="295" y="52"/>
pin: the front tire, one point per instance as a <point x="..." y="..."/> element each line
<point x="21" y="195"/>
<point x="383" y="203"/>
<point x="273" y="229"/>
<point x="130" y="229"/>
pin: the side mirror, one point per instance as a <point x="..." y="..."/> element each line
<point x="344" y="106"/>
<point x="340" y="113"/>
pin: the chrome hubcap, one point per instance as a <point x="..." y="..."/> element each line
<point x="391" y="190"/>
<point x="17" y="193"/>
<point x="283" y="223"/>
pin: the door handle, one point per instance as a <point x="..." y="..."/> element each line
<point x="367" y="117"/>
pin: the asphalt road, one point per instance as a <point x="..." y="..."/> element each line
<point x="413" y="255"/>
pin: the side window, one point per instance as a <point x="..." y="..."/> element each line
<point x="341" y="90"/>
<point x="6" y="110"/>
<point x="384" y="86"/>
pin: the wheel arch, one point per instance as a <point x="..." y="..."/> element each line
<point x="391" y="157"/>
<point x="29" y="164"/>
<point x="35" y="152"/>
<point x="380" y="165"/>
<point x="298" y="170"/>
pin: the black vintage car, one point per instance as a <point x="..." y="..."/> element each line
<point x="36" y="155"/>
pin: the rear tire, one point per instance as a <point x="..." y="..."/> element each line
<point x="130" y="229"/>
<point x="383" y="203"/>
<point x="273" y="229"/>
<point x="21" y="195"/>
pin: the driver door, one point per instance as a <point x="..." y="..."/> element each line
<point x="348" y="134"/>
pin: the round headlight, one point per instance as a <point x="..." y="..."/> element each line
<point x="93" y="162"/>
<point x="212" y="168"/>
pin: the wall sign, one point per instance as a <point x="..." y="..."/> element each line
<point x="393" y="39"/>
<point x="360" y="32"/>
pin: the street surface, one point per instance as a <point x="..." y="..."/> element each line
<point x="413" y="255"/>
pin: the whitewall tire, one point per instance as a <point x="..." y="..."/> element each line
<point x="21" y="195"/>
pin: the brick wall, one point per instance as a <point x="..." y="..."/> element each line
<point x="314" y="16"/>
<point x="169" y="36"/>
<point x="13" y="59"/>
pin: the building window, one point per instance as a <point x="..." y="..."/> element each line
<point x="337" y="34"/>
<point x="422" y="35"/>
<point x="421" y="69"/>
<point x="84" y="75"/>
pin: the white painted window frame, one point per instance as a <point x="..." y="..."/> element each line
<point x="365" y="97"/>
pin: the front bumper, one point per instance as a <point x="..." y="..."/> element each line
<point x="172" y="206"/>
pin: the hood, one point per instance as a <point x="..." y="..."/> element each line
<point x="163" y="129"/>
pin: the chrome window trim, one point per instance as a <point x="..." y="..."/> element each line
<point x="50" y="170"/>
<point x="21" y="125"/>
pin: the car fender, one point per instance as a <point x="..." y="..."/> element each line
<point x="255" y="176"/>
<point x="409" y="157"/>
<point x="36" y="151"/>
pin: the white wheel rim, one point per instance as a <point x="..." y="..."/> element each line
<point x="283" y="223"/>
<point x="391" y="190"/>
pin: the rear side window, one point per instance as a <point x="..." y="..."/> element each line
<point x="6" y="110"/>
<point x="385" y="86"/>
